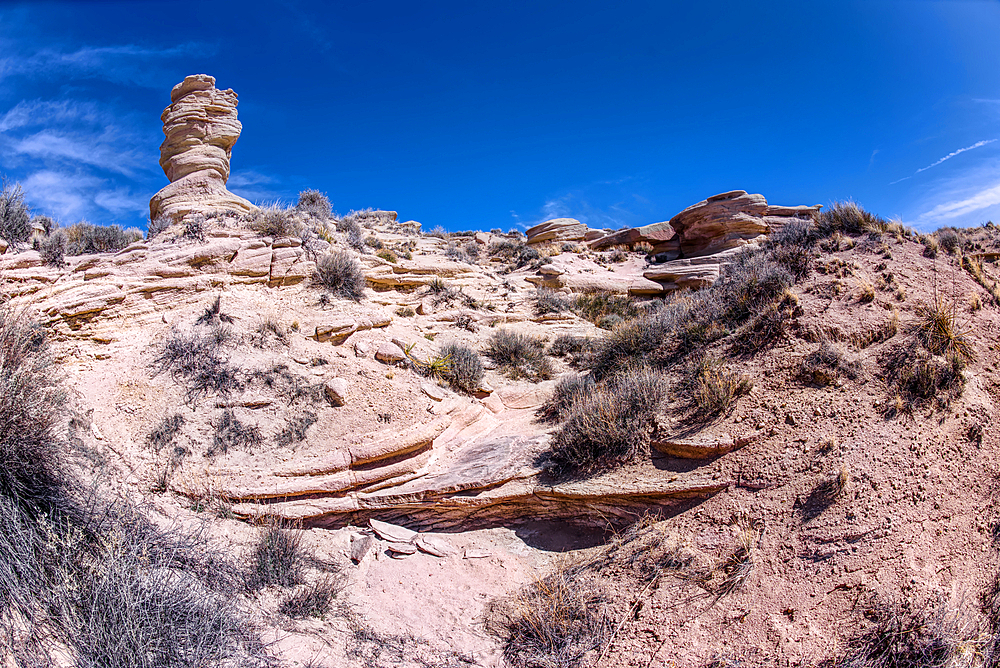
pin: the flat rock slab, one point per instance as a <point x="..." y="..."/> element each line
<point x="432" y="545"/>
<point x="360" y="546"/>
<point x="699" y="447"/>
<point x="392" y="532"/>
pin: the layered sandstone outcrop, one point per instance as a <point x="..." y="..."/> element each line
<point x="557" y="229"/>
<point x="201" y="128"/>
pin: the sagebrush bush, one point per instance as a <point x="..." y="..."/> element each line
<point x="605" y="309"/>
<point x="84" y="238"/>
<point x="156" y="225"/>
<point x="546" y="300"/>
<point x="827" y="363"/>
<point x="272" y="220"/>
<point x="714" y="387"/>
<point x="950" y="239"/>
<point x="341" y="274"/>
<point x="609" y="423"/>
<point x="568" y="390"/>
<point x="518" y="355"/>
<point x="314" y="203"/>
<point x="15" y="218"/>
<point x="53" y="249"/>
<point x="515" y="252"/>
<point x="464" y="368"/>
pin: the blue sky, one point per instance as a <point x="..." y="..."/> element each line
<point x="484" y="115"/>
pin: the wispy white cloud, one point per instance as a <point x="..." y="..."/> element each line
<point x="34" y="113"/>
<point x="954" y="153"/>
<point x="948" y="211"/>
<point x="106" y="150"/>
<point x="65" y="196"/>
<point x="951" y="155"/>
<point x="124" y="63"/>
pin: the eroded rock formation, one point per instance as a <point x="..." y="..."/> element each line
<point x="201" y="128"/>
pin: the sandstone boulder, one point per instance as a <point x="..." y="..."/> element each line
<point x="658" y="235"/>
<point x="336" y="391"/>
<point x="557" y="229"/>
<point x="729" y="220"/>
<point x="201" y="128"/>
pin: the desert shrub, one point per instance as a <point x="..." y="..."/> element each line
<point x="15" y="218"/>
<point x="568" y="344"/>
<point x="515" y="252"/>
<point x="269" y="330"/>
<point x="898" y="637"/>
<point x="314" y="601"/>
<point x="47" y="224"/>
<point x="405" y="312"/>
<point x="920" y="379"/>
<point x="84" y="238"/>
<point x="748" y="285"/>
<point x="931" y="246"/>
<point x="609" y="424"/>
<point x="283" y="383"/>
<point x="342" y="275"/>
<point x="458" y="253"/>
<point x="277" y="558"/>
<point x="518" y="355"/>
<point x="231" y="433"/>
<point x="194" y="228"/>
<point x="272" y="221"/>
<point x="792" y="247"/>
<point x="53" y="249"/>
<point x="555" y="622"/>
<point x="764" y="330"/>
<point x="848" y="218"/>
<point x="197" y="360"/>
<point x="295" y="429"/>
<point x="939" y="331"/>
<point x="84" y="577"/>
<point x="156" y="225"/>
<point x="827" y="363"/>
<point x="546" y="300"/>
<point x="617" y="255"/>
<point x="568" y="390"/>
<point x="605" y="309"/>
<point x="464" y="370"/>
<point x="347" y="224"/>
<point x="164" y="435"/>
<point x="388" y="255"/>
<point x="950" y="239"/>
<point x="213" y="315"/>
<point x="314" y="203"/>
<point x="643" y="247"/>
<point x="714" y="387"/>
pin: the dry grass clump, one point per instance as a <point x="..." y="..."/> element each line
<point x="554" y="623"/>
<point x="518" y="355"/>
<point x="899" y="637"/>
<point x="608" y="423"/>
<point x="341" y="275"/>
<point x="295" y="429"/>
<point x="827" y="363"/>
<point x="950" y="239"/>
<point x="197" y="360"/>
<point x="546" y="300"/>
<point x="232" y="433"/>
<point x="272" y="220"/>
<point x="714" y="387"/>
<point x="312" y="601"/>
<point x="277" y="558"/>
<point x="824" y="494"/>
<point x="939" y="331"/>
<point x="849" y="218"/>
<point x="568" y="390"/>
<point x="164" y="434"/>
<point x="388" y="255"/>
<point x="463" y="368"/>
<point x="919" y="379"/>
<point x="314" y="203"/>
